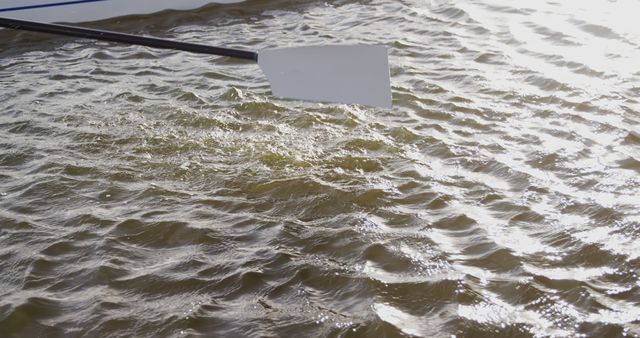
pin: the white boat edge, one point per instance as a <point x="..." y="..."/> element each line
<point x="93" y="10"/>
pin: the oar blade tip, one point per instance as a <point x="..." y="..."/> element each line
<point x="351" y="74"/>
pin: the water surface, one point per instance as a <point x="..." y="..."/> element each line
<point x="153" y="193"/>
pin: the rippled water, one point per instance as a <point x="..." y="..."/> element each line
<point x="148" y="193"/>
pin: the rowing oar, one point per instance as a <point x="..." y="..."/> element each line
<point x="357" y="74"/>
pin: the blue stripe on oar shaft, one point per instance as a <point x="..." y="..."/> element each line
<point x="55" y="4"/>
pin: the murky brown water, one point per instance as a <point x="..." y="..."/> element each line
<point x="148" y="193"/>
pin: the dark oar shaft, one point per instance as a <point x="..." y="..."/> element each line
<point x="125" y="38"/>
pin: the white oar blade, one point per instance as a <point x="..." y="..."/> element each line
<point x="356" y="74"/>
